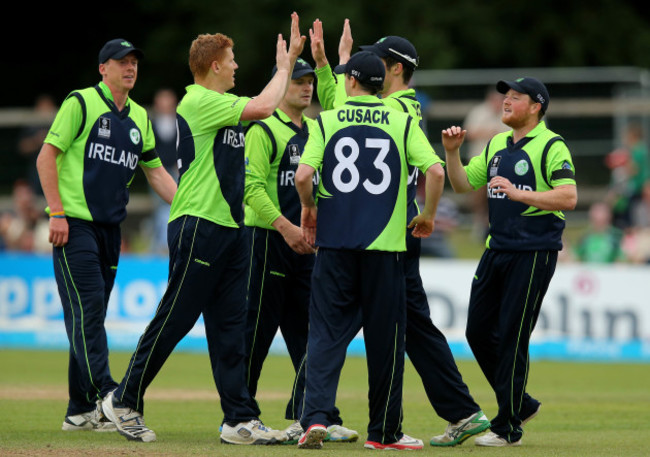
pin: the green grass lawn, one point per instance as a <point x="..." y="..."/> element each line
<point x="588" y="409"/>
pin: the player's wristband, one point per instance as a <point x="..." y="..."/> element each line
<point x="58" y="215"/>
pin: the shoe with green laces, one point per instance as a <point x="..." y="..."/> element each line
<point x="459" y="432"/>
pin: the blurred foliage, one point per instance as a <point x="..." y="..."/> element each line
<point x="61" y="52"/>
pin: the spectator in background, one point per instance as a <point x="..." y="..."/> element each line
<point x="482" y="122"/>
<point x="636" y="242"/>
<point x="163" y="119"/>
<point x="602" y="241"/>
<point x="31" y="138"/>
<point x="629" y="167"/>
<point x="25" y="227"/>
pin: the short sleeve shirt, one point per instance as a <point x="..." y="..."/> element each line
<point x="273" y="150"/>
<point x="539" y="162"/>
<point x="210" y="157"/>
<point x="362" y="150"/>
<point x="101" y="148"/>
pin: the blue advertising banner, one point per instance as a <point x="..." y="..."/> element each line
<point x="594" y="313"/>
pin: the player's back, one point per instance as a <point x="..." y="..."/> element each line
<point x="362" y="196"/>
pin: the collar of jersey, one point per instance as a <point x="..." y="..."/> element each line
<point x="284" y="117"/>
<point x="368" y="100"/>
<point x="539" y="128"/>
<point x="407" y="93"/>
<point x="109" y="96"/>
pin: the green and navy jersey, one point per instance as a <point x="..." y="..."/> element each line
<point x="538" y="162"/>
<point x="101" y="148"/>
<point x="406" y="101"/>
<point x="210" y="157"/>
<point x="273" y="150"/>
<point x="331" y="93"/>
<point x="362" y="150"/>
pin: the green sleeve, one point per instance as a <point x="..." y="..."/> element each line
<point x="476" y="170"/>
<point x="66" y="124"/>
<point x="258" y="152"/>
<point x="419" y="152"/>
<point x="315" y="147"/>
<point x="330" y="88"/>
<point x="219" y="110"/>
<point x="326" y="87"/>
<point x="559" y="158"/>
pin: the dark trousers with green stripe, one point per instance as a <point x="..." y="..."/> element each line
<point x="279" y="286"/>
<point x="353" y="290"/>
<point x="207" y="275"/>
<point x="428" y="349"/>
<point x="506" y="296"/>
<point x="85" y="270"/>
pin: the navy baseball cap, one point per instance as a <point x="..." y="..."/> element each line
<point x="118" y="48"/>
<point x="396" y="47"/>
<point x="300" y="69"/>
<point x="367" y="68"/>
<point x="527" y="85"/>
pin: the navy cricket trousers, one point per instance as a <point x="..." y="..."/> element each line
<point x="428" y="350"/>
<point x="207" y="274"/>
<point x="353" y="290"/>
<point x="85" y="270"/>
<point x="279" y="287"/>
<point x="506" y="296"/>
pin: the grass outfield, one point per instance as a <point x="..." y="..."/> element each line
<point x="588" y="409"/>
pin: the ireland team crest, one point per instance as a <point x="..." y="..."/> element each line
<point x="135" y="136"/>
<point x="521" y="167"/>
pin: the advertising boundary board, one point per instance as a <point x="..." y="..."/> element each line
<point x="591" y="312"/>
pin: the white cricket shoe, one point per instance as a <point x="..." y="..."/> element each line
<point x="92" y="420"/>
<point x="341" y="434"/>
<point x="457" y="433"/>
<point x="252" y="432"/>
<point x="293" y="432"/>
<point x="129" y="422"/>
<point x="493" y="440"/>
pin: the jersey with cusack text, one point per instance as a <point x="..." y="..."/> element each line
<point x="331" y="94"/>
<point x="363" y="149"/>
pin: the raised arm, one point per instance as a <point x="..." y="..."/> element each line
<point x="317" y="44"/>
<point x="345" y="43"/>
<point x="452" y="138"/>
<point x="268" y="100"/>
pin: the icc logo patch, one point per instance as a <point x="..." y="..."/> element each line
<point x="294" y="154"/>
<point x="104" y="130"/>
<point x="494" y="167"/>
